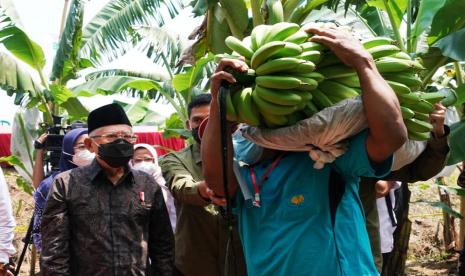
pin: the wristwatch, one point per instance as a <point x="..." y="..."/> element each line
<point x="38" y="145"/>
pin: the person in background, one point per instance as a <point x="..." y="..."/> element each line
<point x="7" y="227"/>
<point x="38" y="169"/>
<point x="429" y="163"/>
<point x="105" y="218"/>
<point x="386" y="202"/>
<point x="146" y="159"/>
<point x="73" y="154"/>
<point x="202" y="233"/>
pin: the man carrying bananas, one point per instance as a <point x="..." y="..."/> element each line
<point x="296" y="226"/>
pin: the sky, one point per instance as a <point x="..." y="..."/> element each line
<point x="41" y="21"/>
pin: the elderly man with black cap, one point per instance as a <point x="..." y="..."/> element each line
<point x="106" y="219"/>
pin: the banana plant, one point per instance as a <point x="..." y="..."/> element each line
<point x="80" y="47"/>
<point x="220" y="22"/>
<point x="106" y="37"/>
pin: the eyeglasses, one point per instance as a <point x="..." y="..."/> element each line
<point x="145" y="159"/>
<point x="110" y="137"/>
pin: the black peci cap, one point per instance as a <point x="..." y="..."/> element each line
<point x="107" y="115"/>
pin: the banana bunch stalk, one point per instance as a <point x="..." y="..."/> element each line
<point x="398" y="69"/>
<point x="284" y="64"/>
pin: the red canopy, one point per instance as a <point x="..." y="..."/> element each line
<point x="5" y="141"/>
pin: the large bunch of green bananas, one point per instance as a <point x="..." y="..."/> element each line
<point x="397" y="68"/>
<point x="296" y="78"/>
<point x="284" y="64"/>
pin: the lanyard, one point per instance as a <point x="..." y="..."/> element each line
<point x="256" y="186"/>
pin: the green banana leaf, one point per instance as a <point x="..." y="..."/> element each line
<point x="200" y="7"/>
<point x="185" y="81"/>
<point x="21" y="46"/>
<point x="174" y="127"/>
<point x="10" y="11"/>
<point x="136" y="112"/>
<point x="107" y="36"/>
<point x="432" y="60"/>
<point x="460" y="91"/>
<point x="456" y="190"/>
<point x="141" y="114"/>
<point x="350" y="18"/>
<point x="289" y="7"/>
<point x="159" y="44"/>
<point x="66" y="99"/>
<point x="445" y="208"/>
<point x="152" y="118"/>
<point x="449" y="18"/>
<point x="376" y="20"/>
<point x="67" y="62"/>
<point x="112" y="85"/>
<point x="16" y="80"/>
<point x="452" y="45"/>
<point x="237" y="16"/>
<point x="24" y="129"/>
<point x="153" y="75"/>
<point x="217" y="30"/>
<point x="425" y="16"/>
<point x="456" y="144"/>
<point x="395" y="7"/>
<point x="13" y="160"/>
<point x="301" y="13"/>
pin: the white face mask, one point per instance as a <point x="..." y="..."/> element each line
<point x="148" y="167"/>
<point x="83" y="158"/>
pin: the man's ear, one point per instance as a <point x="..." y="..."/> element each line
<point x="88" y="144"/>
<point x="187" y="125"/>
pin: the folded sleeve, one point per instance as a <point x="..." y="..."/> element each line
<point x="356" y="163"/>
<point x="180" y="182"/>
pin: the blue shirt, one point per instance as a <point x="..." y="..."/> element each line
<point x="292" y="234"/>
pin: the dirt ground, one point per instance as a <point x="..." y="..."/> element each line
<point x="426" y="255"/>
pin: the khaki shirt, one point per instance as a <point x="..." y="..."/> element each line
<point x="201" y="232"/>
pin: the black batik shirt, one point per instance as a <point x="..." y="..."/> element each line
<point x="92" y="227"/>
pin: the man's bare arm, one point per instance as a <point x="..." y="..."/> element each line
<point x="211" y="141"/>
<point x="387" y="130"/>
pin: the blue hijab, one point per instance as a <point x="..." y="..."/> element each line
<point x="68" y="148"/>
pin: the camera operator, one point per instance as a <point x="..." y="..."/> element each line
<point x="38" y="170"/>
<point x="73" y="154"/>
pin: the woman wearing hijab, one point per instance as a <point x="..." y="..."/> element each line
<point x="73" y="154"/>
<point x="146" y="159"/>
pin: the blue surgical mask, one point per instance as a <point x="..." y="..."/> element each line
<point x="244" y="150"/>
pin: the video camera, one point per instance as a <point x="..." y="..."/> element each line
<point x="54" y="142"/>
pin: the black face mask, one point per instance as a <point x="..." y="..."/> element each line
<point x="195" y="135"/>
<point x="117" y="153"/>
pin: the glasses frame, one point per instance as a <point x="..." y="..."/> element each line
<point x="128" y="137"/>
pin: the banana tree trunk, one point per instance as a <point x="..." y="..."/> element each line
<point x="449" y="233"/>
<point x="256" y="6"/>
